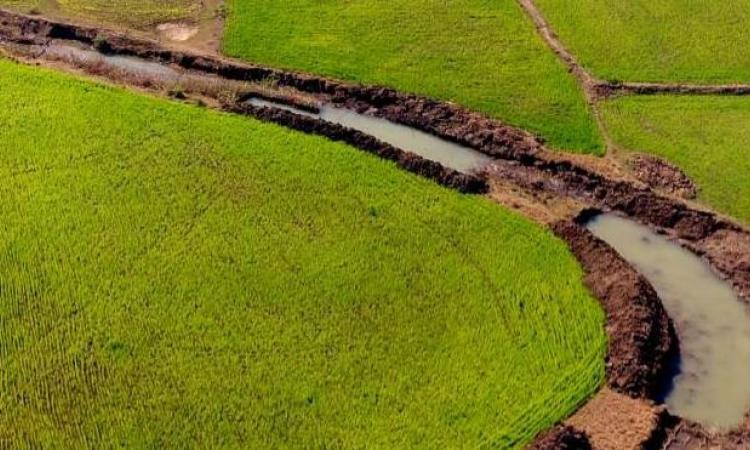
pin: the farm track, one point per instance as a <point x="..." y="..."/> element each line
<point x="597" y="89"/>
<point x="641" y="335"/>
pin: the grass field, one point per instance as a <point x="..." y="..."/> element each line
<point x="172" y="276"/>
<point x="136" y="13"/>
<point x="482" y="54"/>
<point x="667" y="40"/>
<point x="706" y="136"/>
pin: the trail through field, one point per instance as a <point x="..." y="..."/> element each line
<point x="596" y="88"/>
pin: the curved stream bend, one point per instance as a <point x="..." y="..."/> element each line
<point x="713" y="326"/>
<point x="454" y="156"/>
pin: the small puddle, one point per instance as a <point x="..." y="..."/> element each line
<point x="177" y="32"/>
<point x="447" y="153"/>
<point x="712" y="386"/>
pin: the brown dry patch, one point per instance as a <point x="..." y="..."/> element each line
<point x="663" y="176"/>
<point x="203" y="32"/>
<point x="541" y="206"/>
<point x="614" y="421"/>
<point x="205" y="20"/>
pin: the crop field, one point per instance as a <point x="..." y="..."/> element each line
<point x="657" y="41"/>
<point x="136" y="13"/>
<point x="173" y="276"/>
<point x="484" y="55"/>
<point x="705" y="136"/>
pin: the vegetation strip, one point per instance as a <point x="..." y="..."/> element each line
<point x="597" y="88"/>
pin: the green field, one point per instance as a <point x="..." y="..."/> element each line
<point x="136" y="13"/>
<point x="705" y="136"/>
<point x="482" y="54"/>
<point x="666" y="40"/>
<point x="173" y="276"/>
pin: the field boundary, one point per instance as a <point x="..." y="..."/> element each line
<point x="597" y="88"/>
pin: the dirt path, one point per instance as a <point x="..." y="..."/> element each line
<point x="597" y="89"/>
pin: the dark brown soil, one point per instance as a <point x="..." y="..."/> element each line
<point x="561" y="437"/>
<point x="725" y="245"/>
<point x="606" y="89"/>
<point x="686" y="435"/>
<point x="662" y="175"/>
<point x="641" y="336"/>
<point x="409" y="161"/>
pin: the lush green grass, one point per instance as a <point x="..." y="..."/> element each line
<point x="482" y="54"/>
<point x="172" y="276"/>
<point x="138" y="13"/>
<point x="706" y="136"/>
<point x="665" y="40"/>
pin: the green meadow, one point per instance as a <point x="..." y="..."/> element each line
<point x="482" y="54"/>
<point x="707" y="137"/>
<point x="135" y="13"/>
<point x="174" y="276"/>
<point x="658" y="41"/>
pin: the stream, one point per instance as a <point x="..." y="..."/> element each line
<point x="711" y="384"/>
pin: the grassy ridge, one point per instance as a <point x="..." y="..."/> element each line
<point x="485" y="55"/>
<point x="666" y="40"/>
<point x="172" y="276"/>
<point x="706" y="136"/>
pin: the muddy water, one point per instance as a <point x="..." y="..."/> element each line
<point x="713" y="383"/>
<point x="447" y="153"/>
<point x="268" y="104"/>
<point x="135" y="66"/>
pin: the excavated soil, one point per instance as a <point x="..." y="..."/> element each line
<point x="614" y="422"/>
<point x="685" y="435"/>
<point x="662" y="175"/>
<point x="414" y="163"/>
<point x="641" y="336"/>
<point x="562" y="437"/>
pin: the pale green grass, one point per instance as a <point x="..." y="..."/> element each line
<point x="135" y="13"/>
<point x="665" y="40"/>
<point x="708" y="137"/>
<point x="175" y="277"/>
<point x="482" y="54"/>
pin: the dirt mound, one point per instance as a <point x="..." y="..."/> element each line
<point x="409" y="161"/>
<point x="686" y="435"/>
<point x="562" y="437"/>
<point x="662" y="175"/>
<point x="641" y="336"/>
<point x="615" y="422"/>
